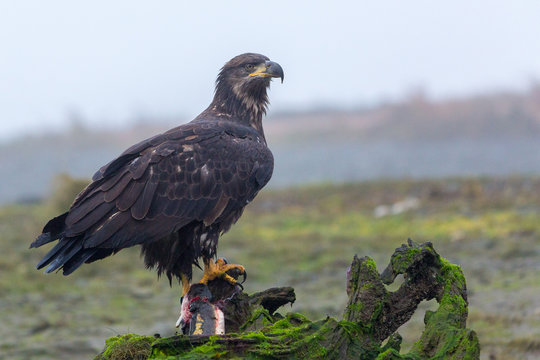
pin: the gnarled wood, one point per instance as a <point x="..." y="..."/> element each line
<point x="372" y="315"/>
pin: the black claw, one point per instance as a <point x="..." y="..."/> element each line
<point x="245" y="277"/>
<point x="224" y="260"/>
<point x="240" y="286"/>
<point x="181" y="299"/>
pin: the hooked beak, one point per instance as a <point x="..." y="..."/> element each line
<point x="269" y="69"/>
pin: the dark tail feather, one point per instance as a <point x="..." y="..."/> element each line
<point x="77" y="260"/>
<point x="100" y="254"/>
<point x="41" y="240"/>
<point x="52" y="231"/>
<point x="67" y="251"/>
<point x="67" y="255"/>
<point x="52" y="254"/>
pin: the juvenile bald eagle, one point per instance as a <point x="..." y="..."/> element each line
<point x="176" y="193"/>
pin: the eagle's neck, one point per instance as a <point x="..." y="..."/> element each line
<point x="240" y="103"/>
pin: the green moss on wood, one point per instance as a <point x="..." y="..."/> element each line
<point x="127" y="347"/>
<point x="272" y="336"/>
<point x="260" y="318"/>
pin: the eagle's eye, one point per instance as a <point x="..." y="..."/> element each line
<point x="249" y="67"/>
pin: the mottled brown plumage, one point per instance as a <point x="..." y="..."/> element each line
<point x="175" y="193"/>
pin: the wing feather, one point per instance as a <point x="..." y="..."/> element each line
<point x="142" y="204"/>
<point x="91" y="219"/>
<point x="118" y="188"/>
<point x="130" y="195"/>
<point x="216" y="210"/>
<point x="108" y="183"/>
<point x="76" y="213"/>
<point x="196" y="172"/>
<point x="106" y="231"/>
<point x="139" y="165"/>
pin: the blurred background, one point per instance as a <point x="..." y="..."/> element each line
<point x="395" y="120"/>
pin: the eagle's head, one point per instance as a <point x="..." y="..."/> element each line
<point x="242" y="83"/>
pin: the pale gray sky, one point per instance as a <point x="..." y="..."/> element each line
<point x="111" y="60"/>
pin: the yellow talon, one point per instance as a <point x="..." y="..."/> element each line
<point x="218" y="269"/>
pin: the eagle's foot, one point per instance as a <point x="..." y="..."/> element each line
<point x="212" y="270"/>
<point x="218" y="269"/>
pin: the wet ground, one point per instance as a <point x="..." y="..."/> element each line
<point x="303" y="237"/>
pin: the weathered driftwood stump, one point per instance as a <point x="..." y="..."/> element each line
<point x="372" y="315"/>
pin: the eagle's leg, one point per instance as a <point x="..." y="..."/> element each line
<point x="218" y="269"/>
<point x="186" y="285"/>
